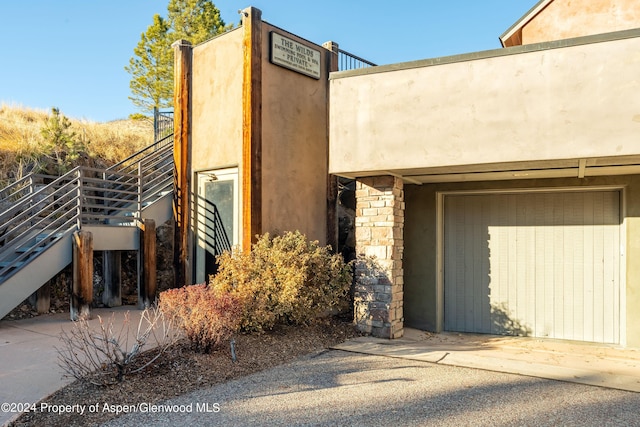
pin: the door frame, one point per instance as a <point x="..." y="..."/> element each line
<point x="440" y="196"/>
<point x="202" y="176"/>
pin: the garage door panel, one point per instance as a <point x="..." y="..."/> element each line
<point x="540" y="264"/>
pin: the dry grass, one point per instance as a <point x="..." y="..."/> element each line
<point x="21" y="139"/>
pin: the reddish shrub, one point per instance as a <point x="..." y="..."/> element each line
<point x="207" y="319"/>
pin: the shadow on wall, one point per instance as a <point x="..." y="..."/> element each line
<point x="372" y="294"/>
<point x="504" y="324"/>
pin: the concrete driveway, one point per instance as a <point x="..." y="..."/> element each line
<point x="339" y="388"/>
<point x="367" y="367"/>
<point x="584" y="363"/>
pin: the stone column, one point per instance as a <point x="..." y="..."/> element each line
<point x="378" y="296"/>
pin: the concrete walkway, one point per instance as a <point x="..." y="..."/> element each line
<point x="29" y="370"/>
<point x="577" y="362"/>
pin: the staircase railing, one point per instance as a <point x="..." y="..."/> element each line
<point x="349" y="61"/>
<point x="39" y="216"/>
<point x="38" y="220"/>
<point x="24" y="186"/>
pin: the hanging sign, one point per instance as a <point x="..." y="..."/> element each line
<point x="295" y="56"/>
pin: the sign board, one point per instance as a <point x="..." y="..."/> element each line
<point x="295" y="56"/>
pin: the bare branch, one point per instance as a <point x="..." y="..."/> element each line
<point x="102" y="356"/>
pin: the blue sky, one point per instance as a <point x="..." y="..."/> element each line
<point x="71" y="54"/>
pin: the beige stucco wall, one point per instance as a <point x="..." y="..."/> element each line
<point x="563" y="19"/>
<point x="294" y="146"/>
<point x="216" y="105"/>
<point x="539" y="102"/>
<point x="420" y="263"/>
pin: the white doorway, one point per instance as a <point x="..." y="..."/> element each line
<point x="217" y="219"/>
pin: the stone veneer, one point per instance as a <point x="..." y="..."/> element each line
<point x="378" y="296"/>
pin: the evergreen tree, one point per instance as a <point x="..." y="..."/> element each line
<point x="151" y="67"/>
<point x="60" y="144"/>
<point x="195" y="20"/>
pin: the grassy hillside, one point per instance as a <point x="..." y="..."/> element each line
<point x="24" y="149"/>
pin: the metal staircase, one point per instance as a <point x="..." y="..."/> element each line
<point x="40" y="213"/>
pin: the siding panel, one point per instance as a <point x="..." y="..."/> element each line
<point x="539" y="264"/>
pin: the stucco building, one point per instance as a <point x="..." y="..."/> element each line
<point x="513" y="177"/>
<point x="496" y="192"/>
<point x="251" y="141"/>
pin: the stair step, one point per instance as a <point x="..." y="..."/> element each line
<point x="5" y="264"/>
<point x="27" y="248"/>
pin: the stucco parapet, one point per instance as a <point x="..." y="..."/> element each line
<point x="493" y="53"/>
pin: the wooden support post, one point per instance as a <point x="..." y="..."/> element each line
<point x="181" y="157"/>
<point x="251" y="170"/>
<point x="82" y="285"/>
<point x="41" y="299"/>
<point x="332" y="180"/>
<point x="112" y="274"/>
<point x="147" y="273"/>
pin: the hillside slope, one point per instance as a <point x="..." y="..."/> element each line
<point x="24" y="149"/>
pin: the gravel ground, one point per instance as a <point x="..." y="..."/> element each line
<point x="334" y="388"/>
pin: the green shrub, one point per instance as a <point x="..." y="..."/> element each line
<point x="285" y="279"/>
<point x="208" y="320"/>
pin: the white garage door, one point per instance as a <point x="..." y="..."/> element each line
<point x="535" y="264"/>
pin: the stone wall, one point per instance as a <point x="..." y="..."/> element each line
<point x="378" y="296"/>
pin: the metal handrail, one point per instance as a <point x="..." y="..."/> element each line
<point x="162" y="123"/>
<point x="38" y="218"/>
<point x="349" y="61"/>
<point x="140" y="154"/>
<point x="24" y="186"/>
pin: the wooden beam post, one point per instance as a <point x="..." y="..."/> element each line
<point x="82" y="284"/>
<point x="41" y="299"/>
<point x="251" y="172"/>
<point x="182" y="157"/>
<point x="147" y="271"/>
<point x="332" y="180"/>
<point x="112" y="274"/>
